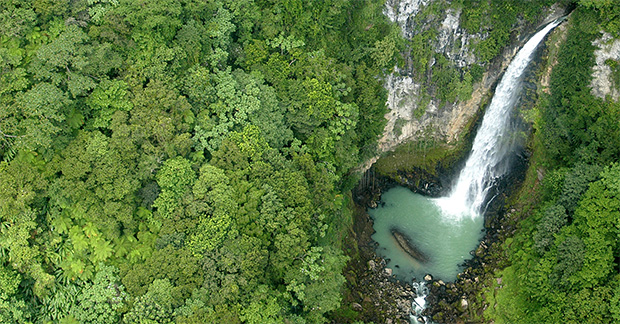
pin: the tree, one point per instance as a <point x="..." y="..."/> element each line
<point x="14" y="311"/>
<point x="264" y="308"/>
<point x="552" y="222"/>
<point x="235" y="100"/>
<point x="175" y="178"/>
<point x="16" y="19"/>
<point x="218" y="225"/>
<point x="21" y="181"/>
<point x="177" y="265"/>
<point x="108" y="97"/>
<point x="154" y="307"/>
<point x="35" y="117"/>
<point x="98" y="8"/>
<point x="570" y="258"/>
<point x="316" y="285"/>
<point x="595" y="3"/>
<point x="101" y="300"/>
<point x="597" y="221"/>
<point x="62" y="61"/>
<point x="160" y="19"/>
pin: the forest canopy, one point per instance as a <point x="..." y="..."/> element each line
<point x="183" y="161"/>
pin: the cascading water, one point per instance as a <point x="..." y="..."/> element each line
<point x="419" y="303"/>
<point x="488" y="158"/>
<point x="493" y="143"/>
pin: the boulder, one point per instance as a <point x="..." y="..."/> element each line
<point x="464" y="303"/>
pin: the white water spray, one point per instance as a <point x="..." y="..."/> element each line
<point x="419" y="303"/>
<point x="488" y="159"/>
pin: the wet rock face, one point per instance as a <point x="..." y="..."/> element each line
<point x="602" y="82"/>
<point x="408" y="88"/>
<point x="402" y="11"/>
<point x="453" y="41"/>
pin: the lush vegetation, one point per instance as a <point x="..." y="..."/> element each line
<point x="497" y="18"/>
<point x="188" y="161"/>
<point x="564" y="258"/>
<point x="182" y="161"/>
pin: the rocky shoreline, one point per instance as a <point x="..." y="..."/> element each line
<point x="377" y="296"/>
<point x="373" y="293"/>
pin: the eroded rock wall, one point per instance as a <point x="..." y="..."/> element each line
<point x="414" y="113"/>
<point x="602" y="83"/>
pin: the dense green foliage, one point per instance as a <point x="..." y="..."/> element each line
<point x="182" y="161"/>
<point x="497" y="18"/>
<point x="187" y="161"/>
<point x="564" y="257"/>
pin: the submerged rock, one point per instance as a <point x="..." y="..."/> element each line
<point x="405" y="244"/>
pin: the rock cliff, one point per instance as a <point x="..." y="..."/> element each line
<point x="607" y="58"/>
<point x="415" y="109"/>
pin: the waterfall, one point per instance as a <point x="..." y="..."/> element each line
<point x="489" y="157"/>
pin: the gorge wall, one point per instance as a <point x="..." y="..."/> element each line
<point x="417" y="107"/>
<point x="606" y="72"/>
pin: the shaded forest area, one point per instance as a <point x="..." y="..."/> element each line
<point x="183" y="161"/>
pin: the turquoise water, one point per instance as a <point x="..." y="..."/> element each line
<point x="446" y="241"/>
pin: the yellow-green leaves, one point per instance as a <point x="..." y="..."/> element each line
<point x="213" y="228"/>
<point x="175" y="175"/>
<point x="108" y="97"/>
<point x="175" y="178"/>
